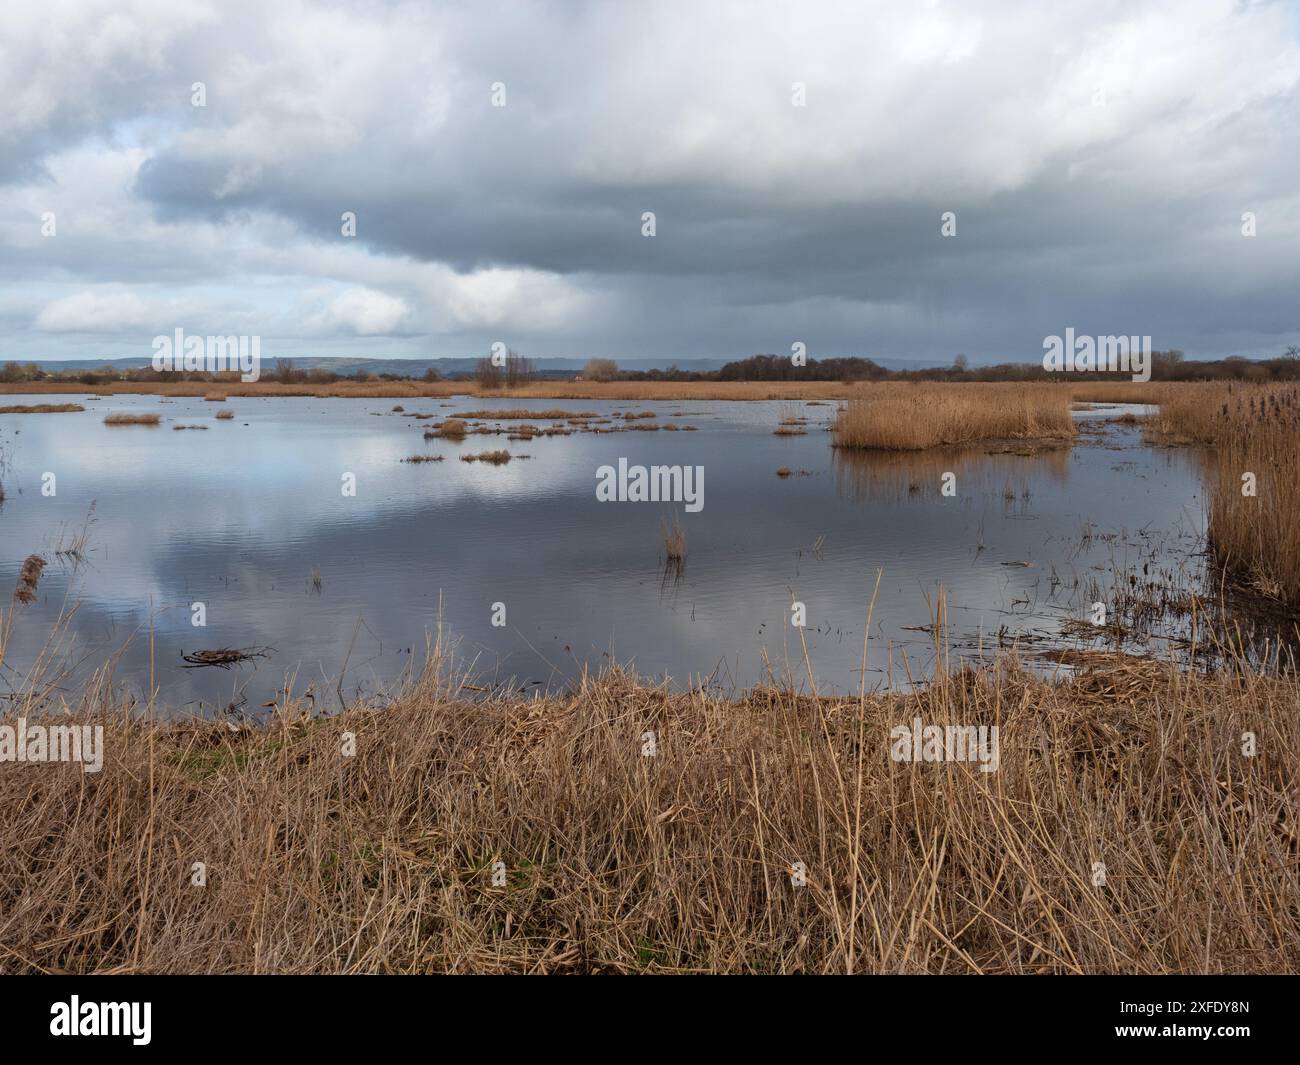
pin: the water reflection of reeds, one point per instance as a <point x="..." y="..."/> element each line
<point x="892" y="476"/>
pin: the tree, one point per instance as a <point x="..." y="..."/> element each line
<point x="488" y="374"/>
<point x="285" y="373"/>
<point x="518" y="369"/>
<point x="600" y="370"/>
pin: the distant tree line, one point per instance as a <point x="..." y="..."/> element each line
<point x="516" y="370"/>
<point x="1165" y="366"/>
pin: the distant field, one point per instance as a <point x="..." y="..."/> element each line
<point x="1102" y="391"/>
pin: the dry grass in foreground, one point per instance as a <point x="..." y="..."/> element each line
<point x="914" y="417"/>
<point x="682" y="861"/>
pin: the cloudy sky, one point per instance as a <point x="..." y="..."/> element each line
<point x="1098" y="156"/>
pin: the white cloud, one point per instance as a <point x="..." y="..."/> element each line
<point x="368" y="312"/>
<point x="106" y="309"/>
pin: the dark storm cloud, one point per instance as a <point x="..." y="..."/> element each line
<point x="1098" y="162"/>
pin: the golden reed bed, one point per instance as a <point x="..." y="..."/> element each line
<point x="1124" y="831"/>
<point x="912" y="418"/>
<point x="1253" y="436"/>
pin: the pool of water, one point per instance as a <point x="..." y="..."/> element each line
<point x="241" y="516"/>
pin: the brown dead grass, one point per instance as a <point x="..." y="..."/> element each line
<point x="42" y="408"/>
<point x="915" y="417"/>
<point x="28" y="579"/>
<point x="451" y="429"/>
<point x="1249" y="429"/>
<point x="225" y="415"/>
<point x="132" y="419"/>
<point x="492" y="458"/>
<point x="673" y="535"/>
<point x="682" y="862"/>
<point x="518" y="414"/>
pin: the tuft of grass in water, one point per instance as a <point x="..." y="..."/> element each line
<point x="423" y="458"/>
<point x="42" y="408"/>
<point x="451" y="429"/>
<point x="673" y="535"/>
<point x="517" y="414"/>
<point x="784" y="471"/>
<point x="315" y="580"/>
<point x="225" y="415"/>
<point x="28" y="578"/>
<point x="132" y="419"/>
<point x="492" y="458"/>
<point x="179" y="427"/>
<point x="215" y="397"/>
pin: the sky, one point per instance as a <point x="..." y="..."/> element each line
<point x="1103" y="162"/>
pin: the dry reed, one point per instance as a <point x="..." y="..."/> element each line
<point x="28" y="578"/>
<point x="492" y="458"/>
<point x="618" y="863"/>
<point x="1254" y="494"/>
<point x="673" y="535"/>
<point x="915" y="417"/>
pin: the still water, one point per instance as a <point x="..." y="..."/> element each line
<point x="240" y="516"/>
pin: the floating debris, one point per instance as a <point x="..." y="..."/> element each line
<point x="223" y="657"/>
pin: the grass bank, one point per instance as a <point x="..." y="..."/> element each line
<point x="641" y="830"/>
